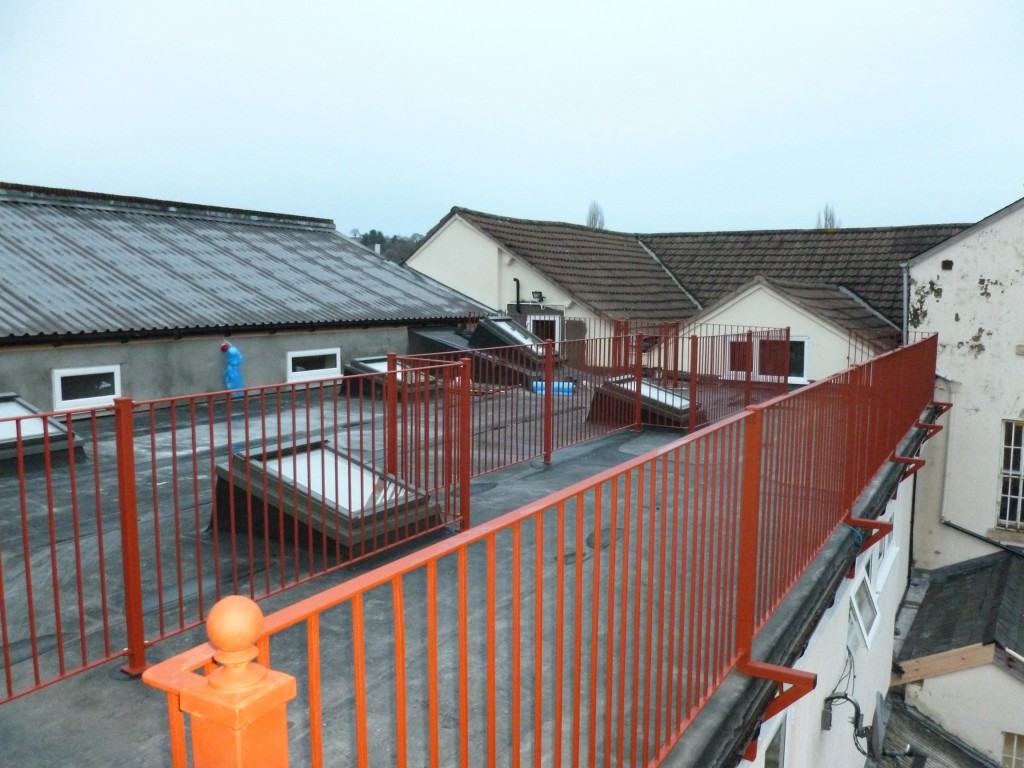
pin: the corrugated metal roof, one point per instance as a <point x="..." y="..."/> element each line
<point x="74" y="263"/>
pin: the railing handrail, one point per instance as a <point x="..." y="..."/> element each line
<point x="340" y="593"/>
<point x="280" y="386"/>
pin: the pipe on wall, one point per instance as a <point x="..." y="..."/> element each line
<point x="905" y="269"/>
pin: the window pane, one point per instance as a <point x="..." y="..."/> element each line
<point x="546" y="329"/>
<point x="865" y="606"/>
<point x="772" y="358"/>
<point x="1010" y="501"/>
<point x="1013" y="750"/>
<point x="796" y="359"/>
<point x="775" y="752"/>
<point x="85" y="385"/>
<point x="314" y="362"/>
<point x="739" y="356"/>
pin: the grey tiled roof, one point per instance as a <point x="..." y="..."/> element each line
<point x="977" y="601"/>
<point x="81" y="263"/>
<point x="831" y="302"/>
<point x="623" y="275"/>
<point x="714" y="264"/>
<point x="610" y="272"/>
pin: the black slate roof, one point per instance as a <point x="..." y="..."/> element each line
<point x="77" y="263"/>
<point x="977" y="601"/>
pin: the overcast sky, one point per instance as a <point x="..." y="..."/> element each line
<point x="674" y="116"/>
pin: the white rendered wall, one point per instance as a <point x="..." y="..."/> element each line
<point x="463" y="258"/>
<point x="975" y="306"/>
<point x="826" y="349"/>
<point x="977" y="705"/>
<point x="806" y="743"/>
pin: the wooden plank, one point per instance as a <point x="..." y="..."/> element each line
<point x="943" y="663"/>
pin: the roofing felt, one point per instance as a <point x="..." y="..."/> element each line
<point x="80" y="263"/>
<point x="714" y="264"/>
<point x="610" y="272"/>
<point x="976" y="601"/>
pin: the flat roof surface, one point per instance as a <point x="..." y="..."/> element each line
<point x="101" y="718"/>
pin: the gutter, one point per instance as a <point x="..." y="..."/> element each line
<point x="981" y="537"/>
<point x="124" y="336"/>
<point x="731" y="719"/>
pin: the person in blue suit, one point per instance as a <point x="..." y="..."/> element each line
<point x="233" y="367"/>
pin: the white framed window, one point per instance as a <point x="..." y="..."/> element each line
<point x="1013" y="750"/>
<point x="771" y="744"/>
<point x="865" y="609"/>
<point x="772" y="359"/>
<point x="775" y="752"/>
<point x="309" y="364"/>
<point x="1011" y="478"/>
<point x="85" y="387"/>
<point x="885" y="554"/>
<point x="545" y="327"/>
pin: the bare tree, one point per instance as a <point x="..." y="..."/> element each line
<point x="595" y="216"/>
<point x="827" y="218"/>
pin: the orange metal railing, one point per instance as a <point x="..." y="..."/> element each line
<point x="143" y="521"/>
<point x="593" y="624"/>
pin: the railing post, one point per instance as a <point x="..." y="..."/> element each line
<point x="391" y="416"/>
<point x="674" y="353"/>
<point x="749" y="368"/>
<point x="451" y="403"/>
<point x="239" y="711"/>
<point x="638" y="374"/>
<point x="129" y="519"/>
<point x="750" y="501"/>
<point x="465" y="440"/>
<point x="694" y="364"/>
<point x="549" y="398"/>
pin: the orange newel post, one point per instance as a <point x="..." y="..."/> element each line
<point x="238" y="710"/>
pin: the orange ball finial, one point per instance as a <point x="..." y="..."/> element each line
<point x="233" y="627"/>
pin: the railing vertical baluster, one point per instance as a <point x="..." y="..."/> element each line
<point x="638" y="376"/>
<point x="748" y="548"/>
<point x="465" y="441"/>
<point x="516" y="716"/>
<point x="549" y="398"/>
<point x="433" y="708"/>
<point x="463" y="608"/>
<point x="130" y="564"/>
<point x="398" y="615"/>
<point x="748" y="368"/>
<point x="391" y="416"/>
<point x="694" y="386"/>
<point x="316" y="721"/>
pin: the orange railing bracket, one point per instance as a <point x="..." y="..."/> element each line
<point x="914" y="463"/>
<point x="800" y="684"/>
<point x="880" y="527"/>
